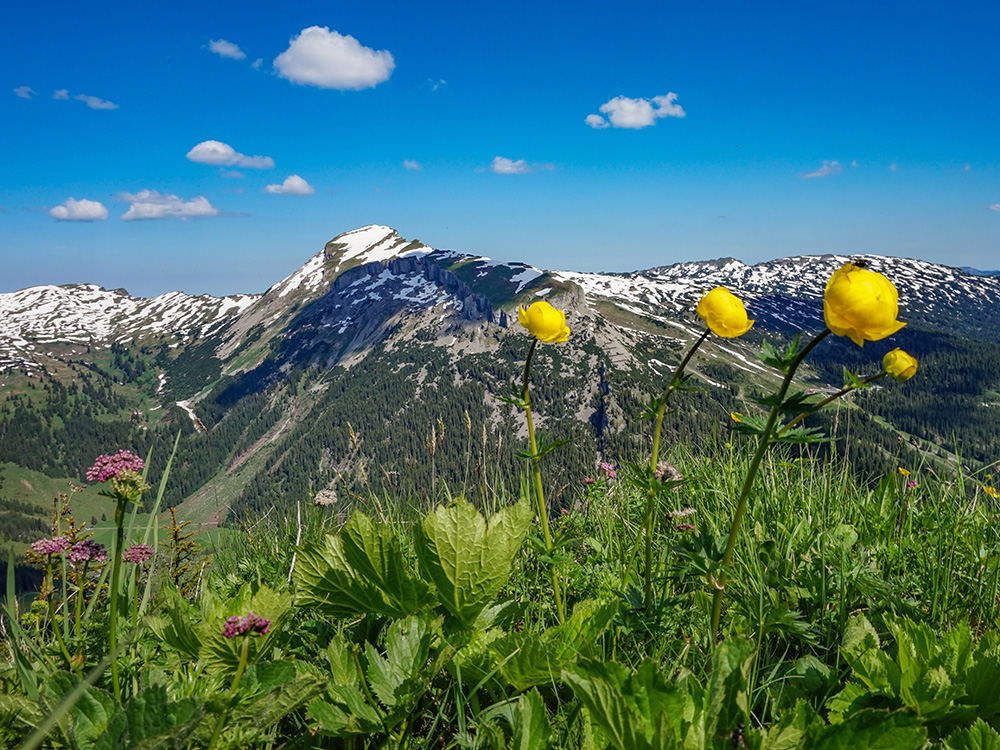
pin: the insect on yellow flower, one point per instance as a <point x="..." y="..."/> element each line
<point x="899" y="364"/>
<point x="861" y="304"/>
<point x="545" y="322"/>
<point x="724" y="313"/>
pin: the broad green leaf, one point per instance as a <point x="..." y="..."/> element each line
<point x="94" y="713"/>
<point x="981" y="686"/>
<point x="400" y="677"/>
<point x="727" y="687"/>
<point x="153" y="722"/>
<point x="278" y="703"/>
<point x="348" y="714"/>
<point x="859" y="637"/>
<point x="223" y="654"/>
<point x="873" y="730"/>
<point x="468" y="560"/>
<point x="267" y="676"/>
<point x="324" y="580"/>
<point x="374" y="553"/>
<point x="789" y="731"/>
<point x="980" y="736"/>
<point x="531" y="723"/>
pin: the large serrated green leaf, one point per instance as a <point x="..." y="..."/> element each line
<point x="468" y="560"/>
<point x="324" y="580"/>
<point x="873" y="730"/>
<point x="95" y="712"/>
<point x="153" y="722"/>
<point x="223" y="654"/>
<point x="726" y="705"/>
<point x="375" y="554"/>
<point x="401" y="676"/>
<point x="980" y="736"/>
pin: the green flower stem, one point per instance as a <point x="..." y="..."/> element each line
<point x="52" y="614"/>
<point x="536" y="470"/>
<point x="115" y="571"/>
<point x="81" y="588"/>
<point x="244" y="651"/>
<point x="719" y="584"/>
<point x="828" y="399"/>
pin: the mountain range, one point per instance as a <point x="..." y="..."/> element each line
<point x="378" y="362"/>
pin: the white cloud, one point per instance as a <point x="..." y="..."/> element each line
<point x="854" y="162"/>
<point x="231" y="174"/>
<point x="414" y="165"/>
<point x="324" y="58"/>
<point x="79" y="210"/>
<point x="94" y="103"/>
<point x="25" y="92"/>
<point x="894" y="167"/>
<point x="995" y="207"/>
<point x="149" y="204"/>
<point x="503" y="165"/>
<point x="434" y="83"/>
<point x="257" y="63"/>
<point x="221" y="154"/>
<point x="293" y="185"/>
<point x="226" y="49"/>
<point x="636" y="114"/>
<point x="828" y="168"/>
<point x="62" y="94"/>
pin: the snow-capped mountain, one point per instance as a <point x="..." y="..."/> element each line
<point x="390" y="336"/>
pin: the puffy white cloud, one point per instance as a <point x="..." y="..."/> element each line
<point x="94" y="102"/>
<point x="828" y="168"/>
<point x="62" y="94"/>
<point x="329" y="60"/>
<point x="226" y="49"/>
<point x="293" y="185"/>
<point x="503" y="165"/>
<point x="79" y="210"/>
<point x="25" y="92"/>
<point x="995" y="207"/>
<point x="220" y="154"/>
<point x="414" y="165"/>
<point x="625" y="112"/>
<point x="150" y="204"/>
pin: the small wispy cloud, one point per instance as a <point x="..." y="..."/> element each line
<point x="79" y="210"/>
<point x="293" y="185"/>
<point x="894" y="167"/>
<point x="967" y="167"/>
<point x="150" y="204"/>
<point x="995" y="207"/>
<point x="854" y="163"/>
<point x="226" y="49"/>
<point x="257" y="63"/>
<point x="413" y="165"/>
<point x="219" y="154"/>
<point x="95" y="102"/>
<point x="231" y="174"/>
<point x="61" y="94"/>
<point x="828" y="168"/>
<point x="434" y="84"/>
<point x="25" y="92"/>
<point x="503" y="165"/>
<point x="330" y="60"/>
<point x="625" y="112"/>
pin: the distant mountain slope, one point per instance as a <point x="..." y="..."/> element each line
<point x="378" y="361"/>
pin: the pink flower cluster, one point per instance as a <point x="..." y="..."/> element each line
<point x="609" y="469"/>
<point x="236" y="625"/>
<point x="54" y="546"/>
<point x="108" y="467"/>
<point x="86" y="551"/>
<point x="138" y="554"/>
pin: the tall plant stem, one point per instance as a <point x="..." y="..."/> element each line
<point x="719" y="584"/>
<point x="820" y="404"/>
<point x="113" y="605"/>
<point x="244" y="652"/>
<point x="536" y="470"/>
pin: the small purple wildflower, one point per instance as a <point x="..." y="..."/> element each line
<point x="138" y="554"/>
<point x="588" y="480"/>
<point x="685" y="527"/>
<point x="911" y="484"/>
<point x="236" y="625"/>
<point x="609" y="469"/>
<point x="55" y="546"/>
<point x="86" y="551"/>
<point x="108" y="467"/>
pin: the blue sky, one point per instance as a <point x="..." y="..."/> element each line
<point x="215" y="147"/>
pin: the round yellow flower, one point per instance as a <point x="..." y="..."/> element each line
<point x="545" y="322"/>
<point x="861" y="304"/>
<point x="900" y="365"/>
<point x="991" y="491"/>
<point x="724" y="313"/>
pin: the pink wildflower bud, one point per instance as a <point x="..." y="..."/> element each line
<point x="588" y="480"/>
<point x="55" y="546"/>
<point x="236" y="625"/>
<point x="138" y="554"/>
<point x="86" y="551"/>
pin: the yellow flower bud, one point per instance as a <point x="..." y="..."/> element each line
<point x="900" y="365"/>
<point x="545" y="322"/>
<point x="723" y="313"/>
<point x="861" y="304"/>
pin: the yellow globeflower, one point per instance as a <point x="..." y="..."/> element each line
<point x="545" y="322"/>
<point x="900" y="365"/>
<point x="724" y="313"/>
<point x="861" y="304"/>
<point x="991" y="491"/>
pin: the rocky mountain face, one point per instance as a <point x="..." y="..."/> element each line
<point x="403" y="344"/>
